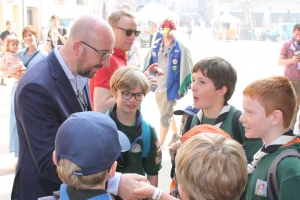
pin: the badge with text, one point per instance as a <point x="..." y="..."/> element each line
<point x="261" y="188"/>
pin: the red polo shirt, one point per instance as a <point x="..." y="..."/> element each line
<point x="102" y="77"/>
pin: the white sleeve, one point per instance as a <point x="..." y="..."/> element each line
<point x="113" y="184"/>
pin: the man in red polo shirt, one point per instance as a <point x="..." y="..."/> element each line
<point x="124" y="27"/>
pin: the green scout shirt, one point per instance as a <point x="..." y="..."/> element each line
<point x="288" y="176"/>
<point x="251" y="146"/>
<point x="133" y="161"/>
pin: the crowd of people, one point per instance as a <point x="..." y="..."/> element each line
<point x="77" y="128"/>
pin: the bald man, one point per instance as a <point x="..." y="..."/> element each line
<point x="48" y="94"/>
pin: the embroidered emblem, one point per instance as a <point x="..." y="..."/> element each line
<point x="135" y="148"/>
<point x="153" y="54"/>
<point x="174" y="67"/>
<point x="261" y="188"/>
<point x="174" y="61"/>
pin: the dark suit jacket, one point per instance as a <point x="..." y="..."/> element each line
<point x="44" y="100"/>
<point x="158" y="36"/>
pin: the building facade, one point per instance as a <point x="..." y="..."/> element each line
<point x="38" y="12"/>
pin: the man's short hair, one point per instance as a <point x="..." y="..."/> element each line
<point x="296" y="27"/>
<point x="128" y="78"/>
<point x="115" y="16"/>
<point x="220" y="71"/>
<point x="65" y="169"/>
<point x="211" y="166"/>
<point x="30" y="28"/>
<point x="274" y="93"/>
<point x="54" y="17"/>
<point x="8" y="22"/>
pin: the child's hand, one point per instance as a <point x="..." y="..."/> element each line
<point x="173" y="149"/>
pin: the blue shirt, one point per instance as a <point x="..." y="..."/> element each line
<point x="39" y="56"/>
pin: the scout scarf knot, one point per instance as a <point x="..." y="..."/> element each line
<point x="220" y="119"/>
<point x="282" y="140"/>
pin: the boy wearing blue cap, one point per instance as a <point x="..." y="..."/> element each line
<point x="129" y="87"/>
<point x="187" y="116"/>
<point x="87" y="146"/>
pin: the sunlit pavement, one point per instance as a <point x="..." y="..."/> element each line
<point x="252" y="60"/>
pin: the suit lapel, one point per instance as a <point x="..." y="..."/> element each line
<point x="63" y="83"/>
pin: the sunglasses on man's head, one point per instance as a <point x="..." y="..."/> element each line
<point x="128" y="32"/>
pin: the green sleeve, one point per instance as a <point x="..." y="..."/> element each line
<point x="152" y="162"/>
<point x="288" y="176"/>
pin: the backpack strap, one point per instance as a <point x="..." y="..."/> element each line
<point x="235" y="127"/>
<point x="273" y="190"/>
<point x="188" y="122"/>
<point x="146" y="139"/>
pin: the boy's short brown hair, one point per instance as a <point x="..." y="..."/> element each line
<point x="296" y="27"/>
<point x="274" y="93"/>
<point x="128" y="78"/>
<point x="211" y="166"/>
<point x="65" y="169"/>
<point x="220" y="72"/>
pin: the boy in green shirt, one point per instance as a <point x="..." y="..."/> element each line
<point x="129" y="86"/>
<point x="213" y="83"/>
<point x="269" y="106"/>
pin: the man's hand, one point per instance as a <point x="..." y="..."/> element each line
<point x="128" y="183"/>
<point x="144" y="191"/>
<point x="295" y="59"/>
<point x="173" y="149"/>
<point x="153" y="69"/>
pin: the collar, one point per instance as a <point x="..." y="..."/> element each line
<point x="78" y="82"/>
<point x="119" y="53"/>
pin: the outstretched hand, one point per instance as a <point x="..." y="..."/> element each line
<point x="153" y="69"/>
<point x="145" y="190"/>
<point x="128" y="183"/>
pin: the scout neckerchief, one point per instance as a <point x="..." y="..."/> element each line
<point x="138" y="135"/>
<point x="167" y="52"/>
<point x="220" y="119"/>
<point x="282" y="140"/>
<point x="295" y="46"/>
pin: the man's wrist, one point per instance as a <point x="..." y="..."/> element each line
<point x="113" y="184"/>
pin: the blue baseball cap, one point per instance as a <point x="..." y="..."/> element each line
<point x="90" y="140"/>
<point x="190" y="110"/>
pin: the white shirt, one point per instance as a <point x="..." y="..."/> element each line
<point x="153" y="38"/>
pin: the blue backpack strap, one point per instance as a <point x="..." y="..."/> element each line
<point x="146" y="139"/>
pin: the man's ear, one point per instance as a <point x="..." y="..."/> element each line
<point x="277" y="117"/>
<point x="112" y="170"/>
<point x="77" y="47"/>
<point x="54" y="159"/>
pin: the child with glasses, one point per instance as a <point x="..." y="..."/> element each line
<point x="129" y="86"/>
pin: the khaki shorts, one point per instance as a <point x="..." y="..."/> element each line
<point x="296" y="85"/>
<point x="166" y="108"/>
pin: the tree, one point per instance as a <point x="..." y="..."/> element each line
<point x="247" y="7"/>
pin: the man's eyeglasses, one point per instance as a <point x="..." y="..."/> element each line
<point x="128" y="95"/>
<point x="104" y="55"/>
<point x="128" y="32"/>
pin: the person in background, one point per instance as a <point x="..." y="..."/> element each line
<point x="9" y="31"/>
<point x="187" y="115"/>
<point x="155" y="34"/>
<point x="175" y="60"/>
<point x="133" y="55"/>
<point x="57" y="35"/>
<point x="290" y="58"/>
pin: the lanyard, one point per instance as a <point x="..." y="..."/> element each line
<point x="169" y="47"/>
